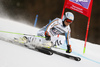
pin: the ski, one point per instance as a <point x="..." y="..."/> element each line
<point x="64" y="55"/>
<point x="40" y="49"/>
<point x="51" y="52"/>
<point x="44" y="51"/>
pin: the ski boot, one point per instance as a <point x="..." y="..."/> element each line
<point x="21" y="40"/>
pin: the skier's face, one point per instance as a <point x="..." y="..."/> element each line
<point x="67" y="22"/>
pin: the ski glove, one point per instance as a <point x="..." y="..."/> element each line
<point x="69" y="50"/>
<point x="47" y="37"/>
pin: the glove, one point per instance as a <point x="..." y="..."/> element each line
<point x="69" y="50"/>
<point x="47" y="37"/>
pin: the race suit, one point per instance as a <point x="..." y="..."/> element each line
<point x="56" y="27"/>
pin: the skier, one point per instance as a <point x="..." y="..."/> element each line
<point x="58" y="26"/>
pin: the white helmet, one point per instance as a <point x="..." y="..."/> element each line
<point x="68" y="15"/>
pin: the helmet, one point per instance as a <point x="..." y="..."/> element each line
<point x="68" y="15"/>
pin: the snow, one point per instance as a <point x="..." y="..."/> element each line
<point x="12" y="55"/>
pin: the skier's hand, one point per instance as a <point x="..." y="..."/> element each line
<point x="47" y="36"/>
<point x="69" y="49"/>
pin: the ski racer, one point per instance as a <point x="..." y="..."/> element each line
<point x="58" y="26"/>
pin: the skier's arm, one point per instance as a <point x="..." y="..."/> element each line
<point x="69" y="50"/>
<point x="67" y="38"/>
<point x="51" y="25"/>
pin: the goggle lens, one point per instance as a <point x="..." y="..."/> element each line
<point x="68" y="21"/>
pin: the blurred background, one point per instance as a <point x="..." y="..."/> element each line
<point x="26" y="11"/>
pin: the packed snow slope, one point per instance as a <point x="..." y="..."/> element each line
<point x="12" y="55"/>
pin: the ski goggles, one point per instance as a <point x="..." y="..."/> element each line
<point x="68" y="20"/>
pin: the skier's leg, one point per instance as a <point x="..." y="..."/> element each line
<point x="46" y="42"/>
